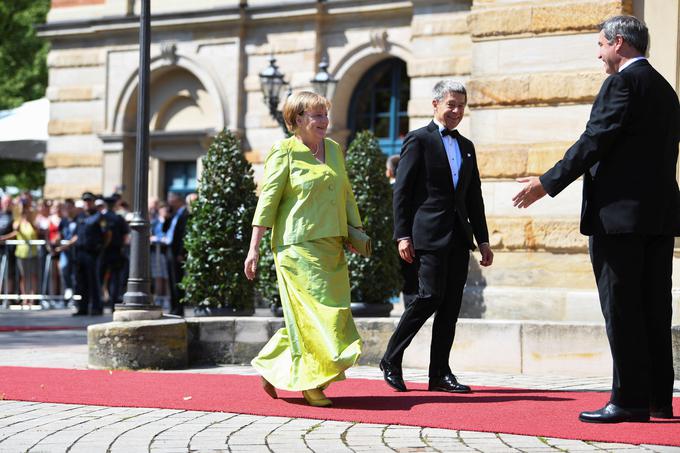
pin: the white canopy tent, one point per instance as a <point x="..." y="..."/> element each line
<point x="23" y="131"/>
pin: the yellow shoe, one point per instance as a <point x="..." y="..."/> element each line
<point x="316" y="398"/>
<point x="268" y="388"/>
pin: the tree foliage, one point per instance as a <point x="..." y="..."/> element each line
<point x="378" y="278"/>
<point x="23" y="55"/>
<point x="21" y="174"/>
<point x="218" y="232"/>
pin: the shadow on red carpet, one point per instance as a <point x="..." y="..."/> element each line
<point x="505" y="410"/>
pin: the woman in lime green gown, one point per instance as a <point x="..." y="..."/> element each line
<point x="307" y="201"/>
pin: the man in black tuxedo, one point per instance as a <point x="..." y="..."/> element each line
<point x="438" y="207"/>
<point x="631" y="211"/>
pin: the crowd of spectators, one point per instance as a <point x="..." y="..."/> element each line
<point x="76" y="252"/>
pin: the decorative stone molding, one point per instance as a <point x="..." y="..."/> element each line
<point x="64" y="160"/>
<point x="119" y="99"/>
<point x="540" y="19"/>
<point x="287" y="44"/>
<point x="169" y="51"/>
<point x="379" y="40"/>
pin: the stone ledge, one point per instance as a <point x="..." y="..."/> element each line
<point x="76" y="58"/>
<point x="517" y="347"/>
<point x="71" y="127"/>
<point x="430" y="67"/>
<point x="64" y="160"/>
<point x="554" y="304"/>
<point x="435" y="25"/>
<point x="75" y="93"/>
<point x="527" y="233"/>
<point x="514" y="161"/>
<point x="535" y="89"/>
<point x="61" y="191"/>
<point x="583" y="16"/>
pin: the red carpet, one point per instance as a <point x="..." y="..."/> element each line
<point x="506" y="410"/>
<point x="38" y="328"/>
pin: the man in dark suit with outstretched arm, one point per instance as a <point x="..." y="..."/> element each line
<point x="438" y="208"/>
<point x="631" y="212"/>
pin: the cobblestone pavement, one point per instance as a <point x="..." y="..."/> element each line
<point x="46" y="427"/>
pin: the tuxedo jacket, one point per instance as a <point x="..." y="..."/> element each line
<point x="627" y="156"/>
<point x="427" y="208"/>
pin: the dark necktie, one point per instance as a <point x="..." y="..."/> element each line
<point x="453" y="133"/>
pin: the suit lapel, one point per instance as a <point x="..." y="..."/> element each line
<point x="437" y="144"/>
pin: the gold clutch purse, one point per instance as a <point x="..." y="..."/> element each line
<point x="360" y="241"/>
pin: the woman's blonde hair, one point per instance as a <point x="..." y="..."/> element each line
<point x="297" y="103"/>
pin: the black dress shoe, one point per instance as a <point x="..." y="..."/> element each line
<point x="661" y="412"/>
<point x="96" y="312"/>
<point x="79" y="313"/>
<point x="392" y="376"/>
<point x="612" y="413"/>
<point x="447" y="383"/>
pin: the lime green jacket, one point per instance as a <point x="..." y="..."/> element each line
<point x="302" y="199"/>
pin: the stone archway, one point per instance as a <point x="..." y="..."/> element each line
<point x="185" y="112"/>
<point x="349" y="71"/>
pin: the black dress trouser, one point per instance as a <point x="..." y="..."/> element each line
<point x="441" y="278"/>
<point x="87" y="281"/>
<point x="633" y="274"/>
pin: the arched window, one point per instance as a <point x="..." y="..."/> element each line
<point x="379" y="104"/>
<point x="180" y="177"/>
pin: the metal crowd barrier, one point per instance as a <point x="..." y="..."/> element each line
<point x="46" y="294"/>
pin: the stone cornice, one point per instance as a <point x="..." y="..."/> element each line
<point x="217" y="16"/>
<point x="529" y="20"/>
<point x="528" y="233"/>
<point x="515" y="160"/>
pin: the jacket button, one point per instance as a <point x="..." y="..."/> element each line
<point x="333" y="202"/>
<point x="331" y="187"/>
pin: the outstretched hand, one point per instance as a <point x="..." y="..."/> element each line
<point x="531" y="192"/>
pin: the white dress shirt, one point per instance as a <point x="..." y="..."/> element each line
<point x="452" y="153"/>
<point x="630" y="62"/>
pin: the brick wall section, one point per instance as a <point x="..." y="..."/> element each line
<point x="63" y="3"/>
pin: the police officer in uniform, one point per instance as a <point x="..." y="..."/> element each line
<point x="113" y="258"/>
<point x="92" y="236"/>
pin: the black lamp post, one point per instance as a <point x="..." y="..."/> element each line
<point x="323" y="83"/>
<point x="138" y="296"/>
<point x="271" y="81"/>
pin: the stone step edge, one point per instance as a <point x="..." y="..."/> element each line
<point x="497" y="346"/>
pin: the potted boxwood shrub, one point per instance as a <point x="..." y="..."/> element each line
<point x="218" y="233"/>
<point x="375" y="280"/>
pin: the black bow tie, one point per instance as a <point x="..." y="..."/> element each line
<point x="453" y="133"/>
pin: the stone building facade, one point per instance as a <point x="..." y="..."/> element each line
<point x="530" y="66"/>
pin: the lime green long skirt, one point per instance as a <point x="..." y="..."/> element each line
<point x="320" y="340"/>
